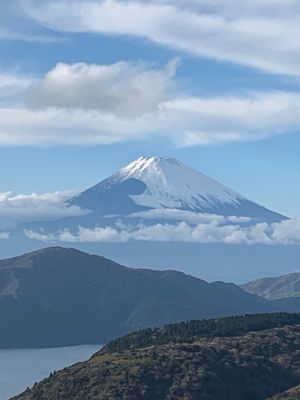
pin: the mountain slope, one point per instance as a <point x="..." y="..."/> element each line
<point x="291" y="394"/>
<point x="165" y="183"/>
<point x="186" y="361"/>
<point x="285" y="286"/>
<point x="283" y="292"/>
<point x="59" y="296"/>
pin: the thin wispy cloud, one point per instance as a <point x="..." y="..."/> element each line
<point x="258" y="34"/>
<point x="100" y="104"/>
<point x="17" y="27"/>
<point x="13" y="35"/>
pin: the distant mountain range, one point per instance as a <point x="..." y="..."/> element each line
<point x="284" y="291"/>
<point x="254" y="357"/>
<point x="58" y="296"/>
<point x="285" y="286"/>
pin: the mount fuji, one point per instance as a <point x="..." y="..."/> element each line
<point x="157" y="212"/>
<point x="151" y="187"/>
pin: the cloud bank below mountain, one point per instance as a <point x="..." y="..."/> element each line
<point x="213" y="230"/>
<point x="18" y="208"/>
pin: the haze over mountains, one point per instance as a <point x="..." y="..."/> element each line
<point x="275" y="288"/>
<point x="58" y="296"/>
<point x="284" y="291"/>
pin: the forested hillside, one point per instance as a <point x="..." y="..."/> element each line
<point x="251" y="357"/>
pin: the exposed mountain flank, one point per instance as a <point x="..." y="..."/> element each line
<point x="285" y="286"/>
<point x="283" y="292"/>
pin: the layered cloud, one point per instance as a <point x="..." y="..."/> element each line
<point x="214" y="230"/>
<point x="16" y="208"/>
<point x="190" y="217"/>
<point x="259" y="34"/>
<point x="12" y="86"/>
<point x="85" y="104"/>
<point x="249" y="117"/>
<point x="15" y="25"/>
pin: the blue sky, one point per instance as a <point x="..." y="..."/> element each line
<point x="210" y="93"/>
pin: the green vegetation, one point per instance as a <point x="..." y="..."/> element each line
<point x="253" y="357"/>
<point x="189" y="331"/>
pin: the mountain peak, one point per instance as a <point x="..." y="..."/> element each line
<point x="51" y="252"/>
<point x="171" y="184"/>
<point x="143" y="163"/>
<point x="165" y="183"/>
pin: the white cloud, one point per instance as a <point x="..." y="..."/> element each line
<point x="4" y="235"/>
<point x="40" y="236"/>
<point x="12" y="85"/>
<point x="106" y="234"/>
<point x="213" y="231"/>
<point x="162" y="232"/>
<point x="260" y="34"/>
<point x="15" y="26"/>
<point x="202" y="121"/>
<point x="123" y="89"/>
<point x="238" y="220"/>
<point x="287" y="232"/>
<point x="16" y="208"/>
<point x="14" y="35"/>
<point x="20" y="126"/>
<point x="85" y="104"/>
<point x="187" y="216"/>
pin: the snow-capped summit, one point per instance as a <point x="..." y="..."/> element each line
<point x="171" y="184"/>
<point x="165" y="183"/>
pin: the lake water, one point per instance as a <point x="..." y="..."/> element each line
<point x="20" y="368"/>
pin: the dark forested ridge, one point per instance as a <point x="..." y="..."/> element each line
<point x="57" y="296"/>
<point x="190" y="330"/>
<point x="255" y="357"/>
